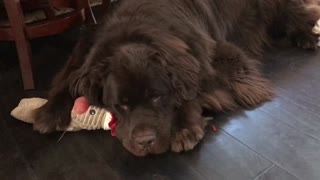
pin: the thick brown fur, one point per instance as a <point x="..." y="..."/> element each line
<point x="156" y="64"/>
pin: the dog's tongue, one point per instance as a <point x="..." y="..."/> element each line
<point x="112" y="124"/>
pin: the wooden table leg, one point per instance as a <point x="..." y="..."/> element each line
<point x="16" y="18"/>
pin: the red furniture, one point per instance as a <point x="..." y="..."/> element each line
<point x="21" y="33"/>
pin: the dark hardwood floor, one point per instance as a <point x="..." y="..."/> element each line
<point x="277" y="141"/>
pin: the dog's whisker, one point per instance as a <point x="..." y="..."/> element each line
<point x="62" y="135"/>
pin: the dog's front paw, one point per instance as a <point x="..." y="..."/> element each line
<point x="44" y="121"/>
<point x="186" y="139"/>
<point x="49" y="119"/>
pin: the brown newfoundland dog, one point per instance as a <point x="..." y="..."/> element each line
<point x="156" y="64"/>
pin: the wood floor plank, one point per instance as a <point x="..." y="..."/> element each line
<point x="220" y="156"/>
<point x="61" y="160"/>
<point x="285" y="65"/>
<point x="297" y="115"/>
<point x="306" y="86"/>
<point x="305" y="100"/>
<point x="295" y="71"/>
<point x="166" y="166"/>
<point x="296" y="75"/>
<point x="276" y="173"/>
<point x="12" y="162"/>
<point x="280" y="143"/>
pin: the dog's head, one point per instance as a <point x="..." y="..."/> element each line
<point x="144" y="87"/>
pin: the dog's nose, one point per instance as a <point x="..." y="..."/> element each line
<point x="145" y="140"/>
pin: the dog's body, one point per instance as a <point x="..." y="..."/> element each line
<point x="157" y="63"/>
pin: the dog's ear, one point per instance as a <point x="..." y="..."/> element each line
<point x="184" y="76"/>
<point x="110" y="91"/>
<point x="88" y="85"/>
<point x="183" y="68"/>
<point x="88" y="79"/>
<point x="99" y="87"/>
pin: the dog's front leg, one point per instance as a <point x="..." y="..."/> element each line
<point x="189" y="129"/>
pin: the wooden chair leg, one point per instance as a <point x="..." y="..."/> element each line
<point x="17" y="23"/>
<point x="89" y="16"/>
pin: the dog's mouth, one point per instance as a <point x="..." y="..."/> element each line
<point x="139" y="153"/>
<point x="157" y="148"/>
<point x="135" y="151"/>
